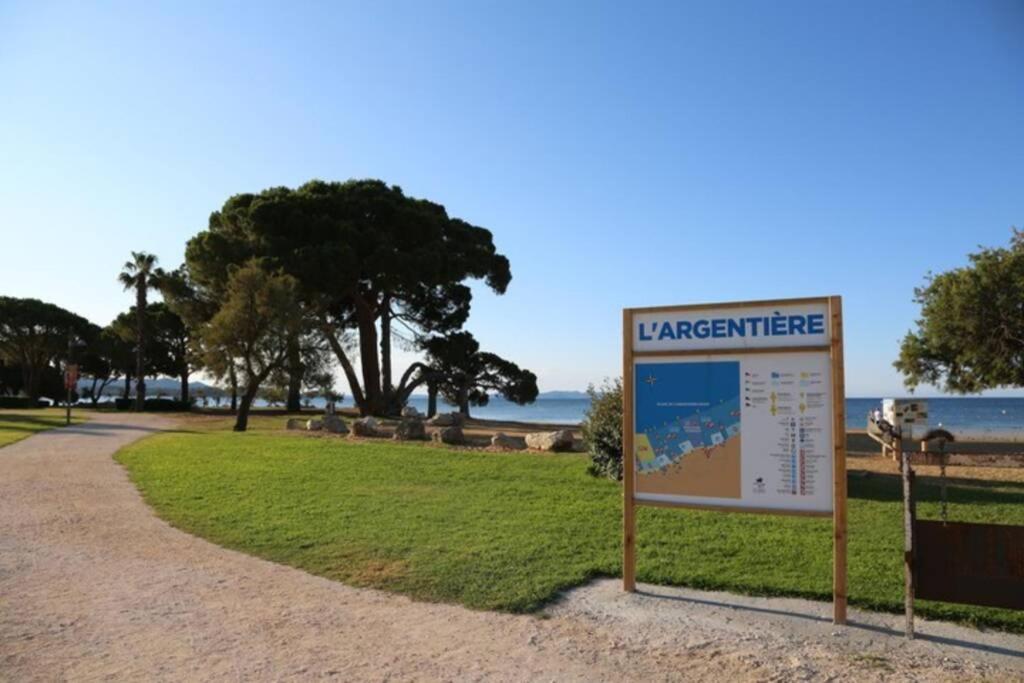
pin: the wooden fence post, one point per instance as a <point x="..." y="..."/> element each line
<point x="628" y="466"/>
<point x="908" y="533"/>
<point x="839" y="582"/>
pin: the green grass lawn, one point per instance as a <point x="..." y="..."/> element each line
<point x="509" y="532"/>
<point x="15" y="425"/>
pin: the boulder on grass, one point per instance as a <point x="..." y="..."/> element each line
<point x="442" y="420"/>
<point x="550" y="441"/>
<point x="450" y="435"/>
<point x="504" y="442"/>
<point x="447" y="420"/>
<point x="314" y="425"/>
<point x="365" y="426"/>
<point x="296" y="423"/>
<point x="410" y="429"/>
<point x="410" y="411"/>
<point x="335" y="425"/>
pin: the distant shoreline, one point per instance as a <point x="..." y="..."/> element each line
<point x="975" y="420"/>
<point x="858" y="443"/>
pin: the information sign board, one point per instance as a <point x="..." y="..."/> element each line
<point x="736" y="406"/>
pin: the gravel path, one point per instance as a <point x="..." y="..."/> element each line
<point x="94" y="587"/>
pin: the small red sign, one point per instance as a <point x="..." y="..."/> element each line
<point x="71" y="376"/>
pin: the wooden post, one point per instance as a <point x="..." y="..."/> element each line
<point x="628" y="466"/>
<point x="908" y="534"/>
<point x="67" y="380"/>
<point x="838" y="465"/>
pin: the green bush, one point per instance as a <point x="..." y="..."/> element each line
<point x="154" y="405"/>
<point x="161" y="405"/>
<point x="19" y="402"/>
<point x="602" y="429"/>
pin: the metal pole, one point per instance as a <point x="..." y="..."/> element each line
<point x="67" y="384"/>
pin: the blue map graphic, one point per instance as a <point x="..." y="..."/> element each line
<point x="682" y="407"/>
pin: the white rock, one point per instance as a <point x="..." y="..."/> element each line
<point x="505" y="442"/>
<point x="449" y="435"/>
<point x="550" y="441"/>
<point x="410" y="429"/>
<point x="365" y="426"/>
<point x="447" y="420"/>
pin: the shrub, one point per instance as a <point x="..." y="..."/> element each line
<point x="602" y="429"/>
<point x="161" y="405"/>
<point x="155" y="405"/>
<point x="20" y="402"/>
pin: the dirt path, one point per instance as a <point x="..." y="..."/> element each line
<point x="94" y="586"/>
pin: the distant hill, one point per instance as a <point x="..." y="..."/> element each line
<point x="163" y="385"/>
<point x="562" y="395"/>
<point x="543" y="396"/>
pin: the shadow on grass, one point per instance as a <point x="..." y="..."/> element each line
<point x="12" y="420"/>
<point x="888" y="488"/>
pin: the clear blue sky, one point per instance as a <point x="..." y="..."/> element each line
<point x="622" y="153"/>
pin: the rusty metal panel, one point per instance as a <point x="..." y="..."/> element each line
<point x="974" y="564"/>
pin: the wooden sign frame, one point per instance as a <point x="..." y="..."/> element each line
<point x="834" y="348"/>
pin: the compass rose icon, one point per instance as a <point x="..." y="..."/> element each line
<point x="651" y="379"/>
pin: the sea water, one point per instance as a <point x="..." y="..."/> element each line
<point x="977" y="418"/>
<point x="973" y="417"/>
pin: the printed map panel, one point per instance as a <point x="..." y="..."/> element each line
<point x="743" y="431"/>
<point x="688" y="428"/>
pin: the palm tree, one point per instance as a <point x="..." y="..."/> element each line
<point x="140" y="274"/>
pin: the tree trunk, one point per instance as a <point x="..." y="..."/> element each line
<point x="140" y="340"/>
<point x="233" y="376"/>
<point x="294" y="402"/>
<point x="405" y="387"/>
<point x="431" y="399"/>
<point x="346" y="365"/>
<point x="184" y="386"/>
<point x="127" y="385"/>
<point x="295" y="373"/>
<point x="385" y="346"/>
<point x="368" y="359"/>
<point x="30" y="381"/>
<point x="107" y="381"/>
<point x="242" y="420"/>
